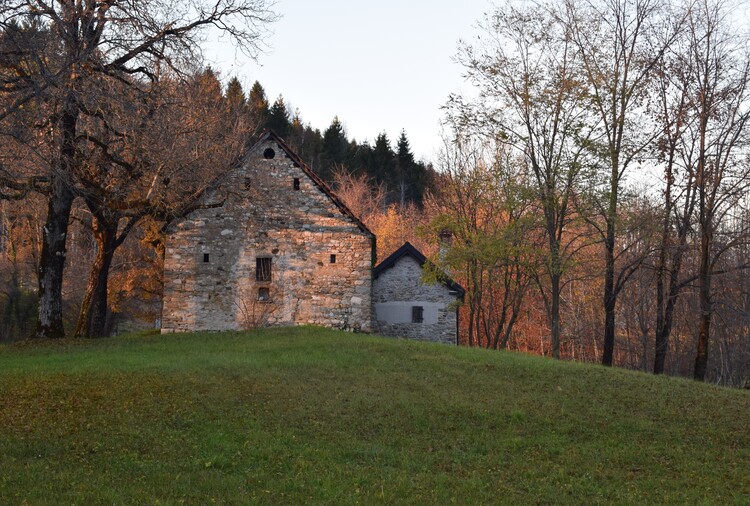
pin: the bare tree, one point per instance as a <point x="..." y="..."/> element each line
<point x="674" y="112"/>
<point x="79" y="46"/>
<point x="527" y="70"/>
<point x="620" y="43"/>
<point x="716" y="148"/>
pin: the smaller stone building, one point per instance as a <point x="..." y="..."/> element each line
<point x="406" y="306"/>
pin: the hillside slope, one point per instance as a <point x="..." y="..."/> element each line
<point x="305" y="415"/>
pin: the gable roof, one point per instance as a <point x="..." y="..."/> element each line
<point x="270" y="135"/>
<point x="408" y="250"/>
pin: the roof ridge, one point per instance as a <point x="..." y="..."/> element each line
<point x="410" y="250"/>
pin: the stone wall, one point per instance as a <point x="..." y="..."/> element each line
<point x="272" y="209"/>
<point x="398" y="289"/>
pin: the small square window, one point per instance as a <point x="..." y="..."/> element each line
<point x="417" y="314"/>
<point x="295" y="184"/>
<point x="333" y="259"/>
<point x="205" y="258"/>
<point x="264" y="294"/>
<point x="262" y="269"/>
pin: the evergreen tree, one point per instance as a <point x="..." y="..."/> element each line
<point x="311" y="146"/>
<point x="411" y="175"/>
<point x="258" y="106"/>
<point x="335" y="148"/>
<point x="209" y="83"/>
<point x="235" y="97"/>
<point x="361" y="160"/>
<point x="278" y="119"/>
<point x="384" y="162"/>
<point x="296" y="133"/>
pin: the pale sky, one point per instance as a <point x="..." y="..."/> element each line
<point x="379" y="66"/>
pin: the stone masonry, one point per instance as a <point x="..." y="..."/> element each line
<point x="276" y="213"/>
<point x="398" y="289"/>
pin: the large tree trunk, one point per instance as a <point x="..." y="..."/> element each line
<point x="93" y="316"/>
<point x="52" y="260"/>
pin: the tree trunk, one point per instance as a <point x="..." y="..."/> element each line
<point x="704" y="294"/>
<point x="52" y="260"/>
<point x="554" y="316"/>
<point x="663" y="333"/>
<point x="610" y="298"/>
<point x="93" y="316"/>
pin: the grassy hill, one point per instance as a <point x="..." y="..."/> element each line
<point x="305" y="415"/>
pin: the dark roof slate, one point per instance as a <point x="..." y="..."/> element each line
<point x="408" y="250"/>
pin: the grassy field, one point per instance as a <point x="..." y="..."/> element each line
<point x="304" y="415"/>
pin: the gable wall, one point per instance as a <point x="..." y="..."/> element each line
<point x="399" y="288"/>
<point x="298" y="230"/>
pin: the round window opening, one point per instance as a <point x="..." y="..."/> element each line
<point x="269" y="153"/>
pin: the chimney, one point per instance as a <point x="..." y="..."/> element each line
<point x="445" y="240"/>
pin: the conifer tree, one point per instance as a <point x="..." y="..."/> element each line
<point x="257" y="104"/>
<point x="235" y="96"/>
<point x="360" y="156"/>
<point x="311" y="146"/>
<point x="384" y="162"/>
<point x="209" y="82"/>
<point x="296" y="133"/>
<point x="335" y="147"/>
<point x="278" y="119"/>
<point x="412" y="175"/>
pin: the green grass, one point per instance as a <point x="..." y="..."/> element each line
<point x="305" y="415"/>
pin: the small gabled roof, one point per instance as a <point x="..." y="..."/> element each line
<point x="408" y="250"/>
<point x="270" y="135"/>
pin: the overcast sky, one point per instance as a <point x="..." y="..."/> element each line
<point x="379" y="66"/>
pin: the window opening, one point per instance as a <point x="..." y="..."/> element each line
<point x="333" y="258"/>
<point x="269" y="153"/>
<point x="247" y="183"/>
<point x="262" y="269"/>
<point x="296" y="183"/>
<point x="417" y="314"/>
<point x="264" y="294"/>
<point x="205" y="258"/>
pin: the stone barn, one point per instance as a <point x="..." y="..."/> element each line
<point x="280" y="249"/>
<point x="406" y="306"/>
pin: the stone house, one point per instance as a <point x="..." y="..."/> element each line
<point x="281" y="249"/>
<point x="407" y="306"/>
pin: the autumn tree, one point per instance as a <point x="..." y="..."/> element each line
<point x="483" y="204"/>
<point x="85" y="45"/>
<point x="178" y="140"/>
